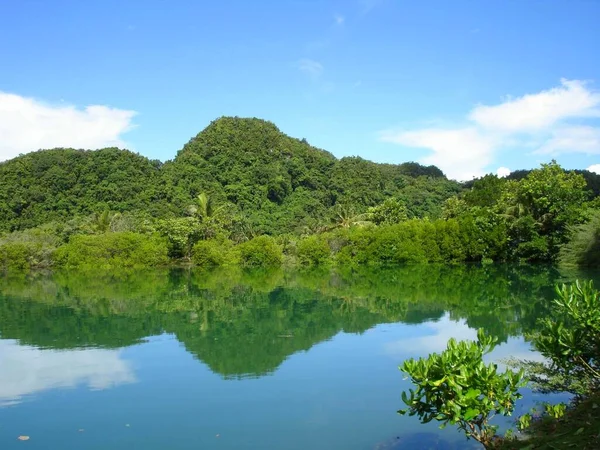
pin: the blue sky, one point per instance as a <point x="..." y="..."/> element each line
<point x="470" y="86"/>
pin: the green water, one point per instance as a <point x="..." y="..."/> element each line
<point x="231" y="360"/>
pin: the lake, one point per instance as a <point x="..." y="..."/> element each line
<point x="180" y="359"/>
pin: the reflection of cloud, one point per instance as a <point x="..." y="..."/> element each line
<point x="27" y="370"/>
<point x="514" y="348"/>
<point x="440" y="332"/>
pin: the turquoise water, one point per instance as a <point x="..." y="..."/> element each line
<point x="231" y="360"/>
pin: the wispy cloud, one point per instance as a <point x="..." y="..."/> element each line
<point x="366" y="6"/>
<point x="27" y="124"/>
<point x="312" y="68"/>
<point x="541" y="122"/>
<point x="339" y="19"/>
<point x="572" y="139"/>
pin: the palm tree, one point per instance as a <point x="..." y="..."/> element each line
<point x="103" y="221"/>
<point x="346" y="217"/>
<point x="205" y="207"/>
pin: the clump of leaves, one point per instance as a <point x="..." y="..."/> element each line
<point x="570" y="338"/>
<point x="457" y="387"/>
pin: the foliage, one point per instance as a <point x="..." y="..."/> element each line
<point x="346" y="217"/>
<point x="412" y="241"/>
<point x="583" y="250"/>
<point x="234" y="166"/>
<point x="14" y="255"/>
<point x="59" y="184"/>
<point x="182" y="233"/>
<point x="242" y="178"/>
<point x="389" y="212"/>
<point x="540" y="209"/>
<point x="33" y="248"/>
<point x="457" y="387"/>
<point x="570" y="338"/>
<point x="122" y="249"/>
<point x="313" y="251"/>
<point x="485" y="192"/>
<point x="210" y="253"/>
<point x="261" y="251"/>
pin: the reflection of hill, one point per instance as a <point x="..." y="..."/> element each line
<point x="244" y="324"/>
<point x="61" y="327"/>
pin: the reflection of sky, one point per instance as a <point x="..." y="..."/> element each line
<point x="434" y="336"/>
<point x="26" y="370"/>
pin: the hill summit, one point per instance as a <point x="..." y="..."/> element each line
<point x="275" y="181"/>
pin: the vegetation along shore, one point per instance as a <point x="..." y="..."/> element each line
<point x="242" y="193"/>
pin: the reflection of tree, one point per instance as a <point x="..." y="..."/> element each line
<point x="247" y="324"/>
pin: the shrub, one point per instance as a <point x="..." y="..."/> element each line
<point x="14" y="256"/>
<point x="260" y="251"/>
<point x="210" y="253"/>
<point x="456" y="387"/>
<point x="583" y="250"/>
<point x="391" y="211"/>
<point x="27" y="249"/>
<point x="570" y="338"/>
<point x="313" y="251"/>
<point x="121" y="249"/>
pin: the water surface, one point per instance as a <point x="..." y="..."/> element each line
<point x="231" y="360"/>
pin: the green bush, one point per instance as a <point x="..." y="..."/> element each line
<point x="14" y="256"/>
<point x="210" y="253"/>
<point x="260" y="251"/>
<point x="313" y="251"/>
<point x="409" y="242"/>
<point x="457" y="387"/>
<point x="570" y="338"/>
<point x="28" y="249"/>
<point x="122" y="249"/>
<point x="583" y="250"/>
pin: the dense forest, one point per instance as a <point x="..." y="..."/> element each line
<point x="242" y="192"/>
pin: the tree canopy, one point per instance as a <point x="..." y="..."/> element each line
<point x="271" y="181"/>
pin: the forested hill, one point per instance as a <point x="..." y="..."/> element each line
<point x="276" y="183"/>
<point x="57" y="184"/>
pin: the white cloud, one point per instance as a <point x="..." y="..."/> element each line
<point x="541" y="122"/>
<point x="462" y="153"/>
<point x="535" y="112"/>
<point x="312" y="68"/>
<point x="572" y="139"/>
<point x="26" y="370"/>
<point x="26" y="125"/>
<point x="594" y="168"/>
<point x="503" y="172"/>
<point x="339" y="19"/>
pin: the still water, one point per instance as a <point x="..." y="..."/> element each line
<point x="234" y="360"/>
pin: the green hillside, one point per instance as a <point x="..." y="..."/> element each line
<point x="274" y="182"/>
